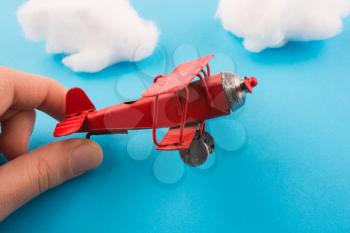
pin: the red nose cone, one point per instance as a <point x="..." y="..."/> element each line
<point x="250" y="83"/>
<point x="253" y="81"/>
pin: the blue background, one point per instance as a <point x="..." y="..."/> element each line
<point x="281" y="165"/>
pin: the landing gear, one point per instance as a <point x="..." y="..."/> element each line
<point x="199" y="150"/>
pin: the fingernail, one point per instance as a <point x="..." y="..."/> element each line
<point x="85" y="157"/>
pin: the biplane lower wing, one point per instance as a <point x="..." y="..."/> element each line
<point x="171" y="139"/>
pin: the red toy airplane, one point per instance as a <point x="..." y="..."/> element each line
<point x="173" y="101"/>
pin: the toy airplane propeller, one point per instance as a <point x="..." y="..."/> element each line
<point x="173" y="101"/>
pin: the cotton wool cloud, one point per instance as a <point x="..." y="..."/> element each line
<point x="272" y="23"/>
<point x="93" y="34"/>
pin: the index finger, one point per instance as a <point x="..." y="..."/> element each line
<point x="21" y="92"/>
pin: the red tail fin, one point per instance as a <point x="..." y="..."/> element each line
<point x="78" y="105"/>
<point x="77" y="102"/>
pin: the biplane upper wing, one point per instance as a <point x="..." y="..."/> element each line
<point x="179" y="78"/>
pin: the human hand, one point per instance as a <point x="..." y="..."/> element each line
<point x="28" y="174"/>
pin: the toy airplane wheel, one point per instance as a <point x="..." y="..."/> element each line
<point x="199" y="150"/>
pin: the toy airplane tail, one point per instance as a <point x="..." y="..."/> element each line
<point x="78" y="105"/>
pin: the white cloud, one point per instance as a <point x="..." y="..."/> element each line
<point x="272" y="23"/>
<point x="93" y="33"/>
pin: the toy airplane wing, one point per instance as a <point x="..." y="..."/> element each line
<point x="179" y="78"/>
<point x="171" y="138"/>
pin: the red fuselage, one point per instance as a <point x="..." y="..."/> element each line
<point x="139" y="114"/>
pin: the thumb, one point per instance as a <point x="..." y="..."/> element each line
<point x="33" y="173"/>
